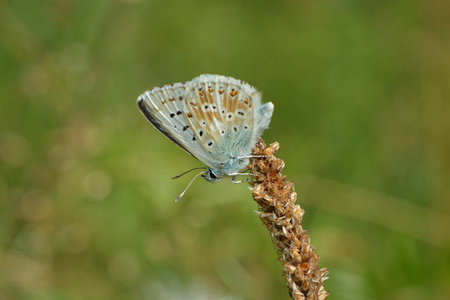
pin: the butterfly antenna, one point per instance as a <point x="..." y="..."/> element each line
<point x="182" y="194"/>
<point x="178" y="176"/>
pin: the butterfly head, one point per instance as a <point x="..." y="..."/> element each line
<point x="211" y="175"/>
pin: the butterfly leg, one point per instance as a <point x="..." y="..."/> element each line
<point x="235" y="174"/>
<point x="233" y="177"/>
<point x="252" y="156"/>
<point x="233" y="180"/>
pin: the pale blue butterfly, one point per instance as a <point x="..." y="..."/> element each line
<point x="214" y="118"/>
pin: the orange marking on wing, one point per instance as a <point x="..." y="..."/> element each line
<point x="233" y="93"/>
<point x="242" y="106"/>
<point x="201" y="93"/>
<point x="210" y="90"/>
<point x="221" y="91"/>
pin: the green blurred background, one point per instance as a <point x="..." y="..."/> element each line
<point x="362" y="113"/>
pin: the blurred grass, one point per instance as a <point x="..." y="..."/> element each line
<point x="361" y="94"/>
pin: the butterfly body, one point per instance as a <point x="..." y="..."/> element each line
<point x="216" y="119"/>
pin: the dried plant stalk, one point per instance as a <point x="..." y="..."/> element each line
<point x="283" y="218"/>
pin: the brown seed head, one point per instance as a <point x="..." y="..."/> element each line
<point x="282" y="217"/>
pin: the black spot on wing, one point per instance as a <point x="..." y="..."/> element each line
<point x="146" y="112"/>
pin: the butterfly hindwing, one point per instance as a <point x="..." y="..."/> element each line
<point x="222" y="114"/>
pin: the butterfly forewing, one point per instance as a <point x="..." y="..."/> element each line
<point x="164" y="108"/>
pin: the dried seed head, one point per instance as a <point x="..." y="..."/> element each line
<point x="282" y="217"/>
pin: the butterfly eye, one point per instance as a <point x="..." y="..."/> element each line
<point x="212" y="175"/>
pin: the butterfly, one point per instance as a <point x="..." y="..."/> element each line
<point x="216" y="119"/>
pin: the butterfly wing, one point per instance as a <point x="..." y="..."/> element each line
<point x="164" y="109"/>
<point x="225" y="115"/>
<point x="214" y="118"/>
